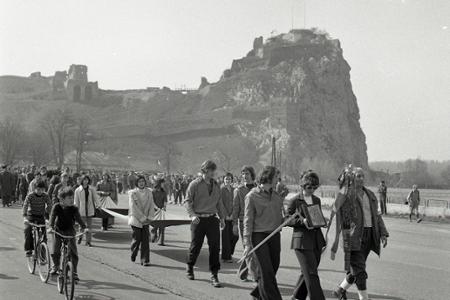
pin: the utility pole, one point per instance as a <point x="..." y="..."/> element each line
<point x="274" y="152"/>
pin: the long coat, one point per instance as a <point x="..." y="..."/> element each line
<point x="378" y="227"/>
<point x="302" y="237"/>
<point x="87" y="208"/>
<point x="7" y="184"/>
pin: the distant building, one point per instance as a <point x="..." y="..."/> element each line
<point x="77" y="86"/>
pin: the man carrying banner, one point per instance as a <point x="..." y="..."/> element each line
<point x="262" y="216"/>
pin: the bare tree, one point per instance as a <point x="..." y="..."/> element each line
<point x="56" y="124"/>
<point x="169" y="155"/>
<point x="37" y="148"/>
<point x="11" y="132"/>
<point x="82" y="135"/>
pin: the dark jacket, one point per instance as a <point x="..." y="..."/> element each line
<point x="302" y="237"/>
<point x="7" y="184"/>
<point x="378" y="227"/>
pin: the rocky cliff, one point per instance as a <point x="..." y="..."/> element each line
<point x="294" y="86"/>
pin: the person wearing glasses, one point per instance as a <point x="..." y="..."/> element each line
<point x="307" y="242"/>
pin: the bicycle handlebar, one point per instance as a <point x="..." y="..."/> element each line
<point x="37" y="225"/>
<point x="69" y="237"/>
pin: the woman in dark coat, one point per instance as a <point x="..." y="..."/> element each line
<point x="307" y="242"/>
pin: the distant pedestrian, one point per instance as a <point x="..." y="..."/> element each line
<point x="414" y="202"/>
<point x="382" y="193"/>
<point x="7" y="186"/>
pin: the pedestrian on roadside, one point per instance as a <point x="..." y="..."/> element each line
<point x="141" y="213"/>
<point x="414" y="202"/>
<point x="382" y="197"/>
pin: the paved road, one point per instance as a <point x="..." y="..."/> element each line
<point x="415" y="266"/>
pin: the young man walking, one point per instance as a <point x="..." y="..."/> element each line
<point x="204" y="206"/>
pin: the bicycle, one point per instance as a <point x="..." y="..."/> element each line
<point x="40" y="255"/>
<point x="66" y="282"/>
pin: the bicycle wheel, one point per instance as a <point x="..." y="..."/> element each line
<point x="31" y="263"/>
<point x="44" y="262"/>
<point x="60" y="283"/>
<point x="69" y="282"/>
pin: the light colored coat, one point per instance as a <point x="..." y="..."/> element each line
<point x="141" y="208"/>
<point x="80" y="201"/>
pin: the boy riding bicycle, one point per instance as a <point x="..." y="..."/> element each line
<point x="36" y="207"/>
<point x="62" y="219"/>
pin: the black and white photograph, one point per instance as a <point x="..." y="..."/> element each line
<point x="225" y="150"/>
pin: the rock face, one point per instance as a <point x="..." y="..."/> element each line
<point x="294" y="86"/>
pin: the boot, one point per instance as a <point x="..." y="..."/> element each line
<point x="215" y="281"/>
<point x="340" y="293"/>
<point x="190" y="272"/>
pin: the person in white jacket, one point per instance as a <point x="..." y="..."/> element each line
<point x="140" y="213"/>
<point x="86" y="200"/>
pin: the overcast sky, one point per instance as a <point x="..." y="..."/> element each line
<point x="399" y="51"/>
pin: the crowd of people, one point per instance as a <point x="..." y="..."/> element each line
<point x="222" y="209"/>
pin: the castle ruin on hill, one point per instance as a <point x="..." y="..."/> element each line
<point x="75" y="84"/>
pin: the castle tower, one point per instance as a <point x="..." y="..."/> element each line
<point x="77" y="86"/>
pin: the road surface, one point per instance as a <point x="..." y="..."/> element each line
<point x="414" y="266"/>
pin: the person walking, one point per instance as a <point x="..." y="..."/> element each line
<point x="366" y="235"/>
<point x="7" y="186"/>
<point x="204" y="206"/>
<point x="229" y="240"/>
<point x="160" y="199"/>
<point x="382" y="195"/>
<point x="414" y="202"/>
<point x="142" y="210"/>
<point x="106" y="189"/>
<point x="307" y="242"/>
<point x="248" y="176"/>
<point x="263" y="214"/>
<point x="86" y="201"/>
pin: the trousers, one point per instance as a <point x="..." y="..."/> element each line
<point x="358" y="259"/>
<point x="268" y="257"/>
<point x="141" y="239"/>
<point x="229" y="240"/>
<point x="73" y="251"/>
<point x="308" y="283"/>
<point x="209" y="227"/>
